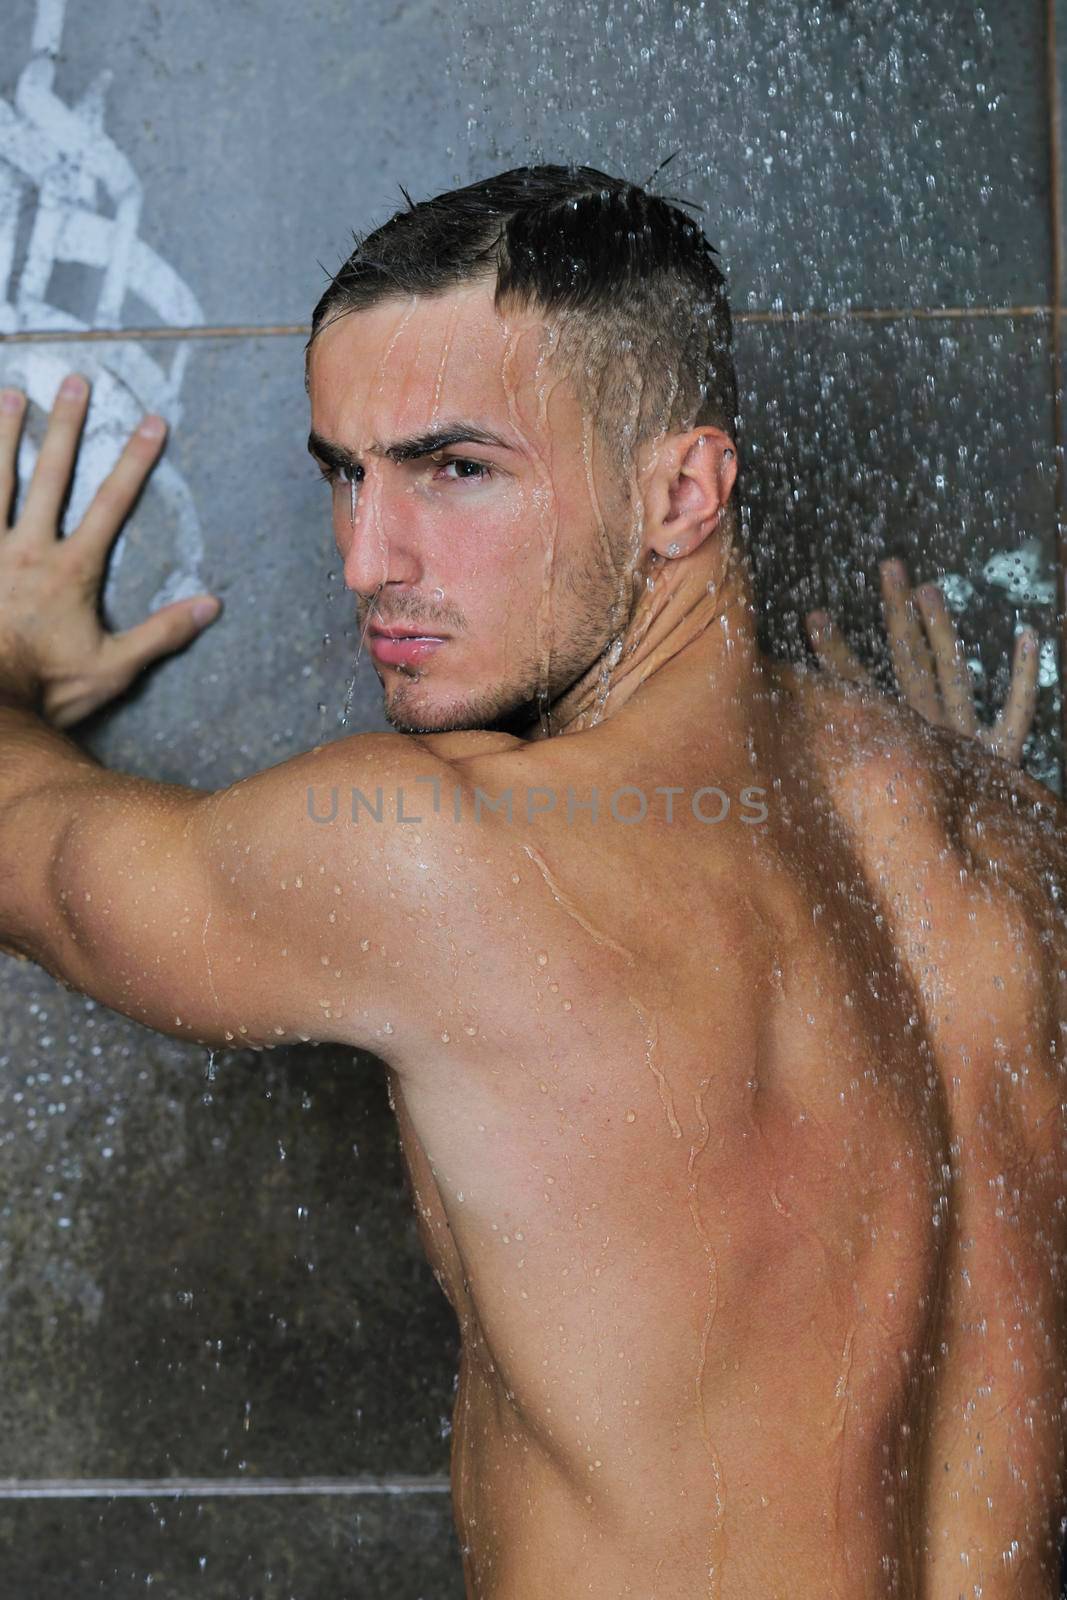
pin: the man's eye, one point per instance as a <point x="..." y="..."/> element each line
<point x="474" y="470"/>
<point x="336" y="475"/>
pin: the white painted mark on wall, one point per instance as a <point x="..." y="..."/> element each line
<point x="1022" y="575"/>
<point x="69" y="198"/>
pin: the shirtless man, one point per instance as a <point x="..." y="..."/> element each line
<point x="727" y="1061"/>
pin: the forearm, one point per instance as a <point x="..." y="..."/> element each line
<point x="38" y="765"/>
<point x="58" y="665"/>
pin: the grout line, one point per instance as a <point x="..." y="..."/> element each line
<point x="287" y="330"/>
<point x="111" y="335"/>
<point x="897" y="314"/>
<point x="210" y="1488"/>
<point x="1056" y="202"/>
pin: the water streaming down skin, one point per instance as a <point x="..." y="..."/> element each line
<point x="650" y="1026"/>
<point x="435" y="404"/>
<point x="717" y="1534"/>
<point x="716" y="1551"/>
<point x="624" y="596"/>
<point x="383" y="541"/>
<point x="442" y="365"/>
<point x="548" y="521"/>
<point x="717" y="1540"/>
<point x="345" y="711"/>
<point x="564" y="900"/>
<point x="615" y="651"/>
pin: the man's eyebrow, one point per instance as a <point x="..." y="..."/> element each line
<point x="419" y="444"/>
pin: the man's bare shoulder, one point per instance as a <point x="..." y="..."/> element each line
<point x="966" y="856"/>
<point x="931" y="806"/>
<point x="879" y="749"/>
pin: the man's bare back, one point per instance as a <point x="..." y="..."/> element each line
<point x="751" y="1212"/>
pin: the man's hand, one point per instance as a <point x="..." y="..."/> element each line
<point x="930" y="664"/>
<point x="55" y="657"/>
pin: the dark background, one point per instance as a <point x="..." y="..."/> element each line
<point x="209" y="1274"/>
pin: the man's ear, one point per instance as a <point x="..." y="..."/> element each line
<point x="687" y="479"/>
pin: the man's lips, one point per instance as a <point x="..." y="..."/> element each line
<point x="402" y="647"/>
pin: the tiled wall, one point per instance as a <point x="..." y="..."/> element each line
<point x="226" y="1367"/>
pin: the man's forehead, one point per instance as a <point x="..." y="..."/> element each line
<point x="430" y="353"/>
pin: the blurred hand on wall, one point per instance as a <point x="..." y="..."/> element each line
<point x="930" y="664"/>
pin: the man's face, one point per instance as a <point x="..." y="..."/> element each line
<point x="509" y="550"/>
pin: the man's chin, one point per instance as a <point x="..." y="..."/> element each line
<point x="406" y="715"/>
<point x="489" y="714"/>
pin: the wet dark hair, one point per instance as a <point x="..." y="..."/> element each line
<point x="626" y="278"/>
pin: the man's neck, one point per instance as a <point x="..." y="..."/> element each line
<point x="694" y="620"/>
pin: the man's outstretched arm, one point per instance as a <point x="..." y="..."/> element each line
<point x="231" y="918"/>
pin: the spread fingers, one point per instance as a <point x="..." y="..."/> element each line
<point x="954" y="679"/>
<point x="12" y="411"/>
<point x="52" y="475"/>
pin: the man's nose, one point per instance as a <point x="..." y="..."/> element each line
<point x="366" y="537"/>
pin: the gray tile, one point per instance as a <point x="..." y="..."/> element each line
<point x="850" y="152"/>
<point x="206" y="1276"/>
<point x="930" y="441"/>
<point x="319" y="1548"/>
<point x="844" y="154"/>
<point x="853" y="152"/>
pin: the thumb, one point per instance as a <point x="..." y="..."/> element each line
<point x="166" y="630"/>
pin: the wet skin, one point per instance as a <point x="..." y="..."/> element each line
<point x="753" y="1217"/>
<point x="737" y="1146"/>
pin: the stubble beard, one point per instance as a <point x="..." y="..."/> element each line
<point x="599" y="596"/>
